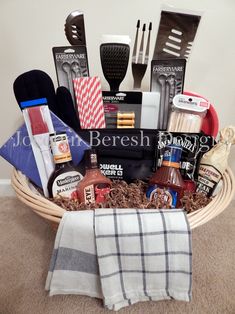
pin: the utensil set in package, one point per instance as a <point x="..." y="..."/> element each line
<point x="173" y="45"/>
<point x="133" y="117"/>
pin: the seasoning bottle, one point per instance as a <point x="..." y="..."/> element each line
<point x="167" y="182"/>
<point x="214" y="163"/>
<point x="64" y="180"/>
<point x="93" y="187"/>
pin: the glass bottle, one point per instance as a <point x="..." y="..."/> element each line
<point x="64" y="180"/>
<point x="93" y="187"/>
<point x="167" y="181"/>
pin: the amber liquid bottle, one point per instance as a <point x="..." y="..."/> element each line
<point x="94" y="186"/>
<point x="64" y="180"/>
<point x="167" y="181"/>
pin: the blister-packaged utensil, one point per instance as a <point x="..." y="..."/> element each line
<point x="176" y="34"/>
<point x="167" y="78"/>
<point x="75" y="29"/>
<point x="70" y="63"/>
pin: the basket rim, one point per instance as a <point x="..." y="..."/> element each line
<point x="52" y="212"/>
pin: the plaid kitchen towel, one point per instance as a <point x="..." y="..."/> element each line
<point x="74" y="268"/>
<point x="143" y="255"/>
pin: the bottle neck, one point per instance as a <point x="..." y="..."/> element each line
<point x="172" y="155"/>
<point x="60" y="149"/>
<point x="62" y="165"/>
<point x="92" y="169"/>
<point x="171" y="164"/>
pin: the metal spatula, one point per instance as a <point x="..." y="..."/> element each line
<point x="175" y="35"/>
<point x="75" y="29"/>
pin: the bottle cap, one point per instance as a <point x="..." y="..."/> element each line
<point x="91" y="159"/>
<point x="172" y="156"/>
<point x="60" y="148"/>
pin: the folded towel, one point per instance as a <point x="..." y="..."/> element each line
<point x="143" y="255"/>
<point x="73" y="267"/>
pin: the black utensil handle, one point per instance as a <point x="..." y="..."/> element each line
<point x="114" y="86"/>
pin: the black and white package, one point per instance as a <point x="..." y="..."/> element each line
<point x="124" y="154"/>
<point x="70" y="62"/>
<point x="193" y="147"/>
<point x="167" y="78"/>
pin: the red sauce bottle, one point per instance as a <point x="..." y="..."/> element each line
<point x="93" y="187"/>
<point x="167" y="181"/>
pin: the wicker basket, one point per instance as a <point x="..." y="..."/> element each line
<point x="53" y="213"/>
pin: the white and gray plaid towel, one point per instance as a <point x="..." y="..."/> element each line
<point x="142" y="255"/>
<point x="73" y="267"/>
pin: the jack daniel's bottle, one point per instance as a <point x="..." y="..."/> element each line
<point x="64" y="180"/>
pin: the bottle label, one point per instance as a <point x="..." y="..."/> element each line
<point x="166" y="196"/>
<point x="60" y="148"/>
<point x="172" y="155"/>
<point x="95" y="193"/>
<point x="65" y="184"/>
<point x="208" y="178"/>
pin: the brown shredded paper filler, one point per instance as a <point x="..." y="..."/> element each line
<point x="133" y="195"/>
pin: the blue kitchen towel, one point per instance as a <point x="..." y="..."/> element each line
<point x="18" y="152"/>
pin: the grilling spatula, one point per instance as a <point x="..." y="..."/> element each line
<point x="75" y="29"/>
<point x="114" y="55"/>
<point x="176" y="34"/>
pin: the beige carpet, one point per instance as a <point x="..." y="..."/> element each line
<point x="26" y="242"/>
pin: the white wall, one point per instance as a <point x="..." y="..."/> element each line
<point x="30" y="28"/>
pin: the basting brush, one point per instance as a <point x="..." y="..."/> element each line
<point x="41" y="137"/>
<point x="146" y="58"/>
<point x="134" y="54"/>
<point x="140" y="57"/>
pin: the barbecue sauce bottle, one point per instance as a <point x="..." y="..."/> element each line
<point x="93" y="187"/>
<point x="167" y="182"/>
<point x="64" y="180"/>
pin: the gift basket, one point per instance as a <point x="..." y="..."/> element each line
<point x="166" y="138"/>
<point x="53" y="213"/>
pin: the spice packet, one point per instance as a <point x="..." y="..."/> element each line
<point x="194" y="145"/>
<point x="214" y="163"/>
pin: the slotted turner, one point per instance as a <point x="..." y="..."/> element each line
<point x="176" y="34"/>
<point x="75" y="29"/>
